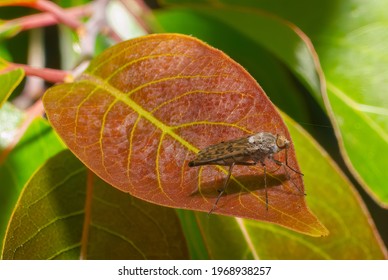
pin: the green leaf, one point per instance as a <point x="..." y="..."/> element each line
<point x="9" y="80"/>
<point x="196" y="244"/>
<point x="10" y="120"/>
<point x="37" y="145"/>
<point x="364" y="140"/>
<point x="4" y="53"/>
<point x="329" y="194"/>
<point x="354" y="59"/>
<point x="66" y="213"/>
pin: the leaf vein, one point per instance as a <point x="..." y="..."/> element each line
<point x="122" y="237"/>
<point x="176" y="98"/>
<point x="157" y="168"/>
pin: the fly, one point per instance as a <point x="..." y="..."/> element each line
<point x="248" y="150"/>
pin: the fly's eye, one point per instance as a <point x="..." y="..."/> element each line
<point x="282" y="142"/>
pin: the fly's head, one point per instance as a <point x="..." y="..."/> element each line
<point x="282" y="142"/>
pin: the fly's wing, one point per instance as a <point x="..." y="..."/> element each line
<point x="224" y="153"/>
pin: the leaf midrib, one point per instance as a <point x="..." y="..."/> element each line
<point x="124" y="97"/>
<point x="138" y="109"/>
<point x="356" y="109"/>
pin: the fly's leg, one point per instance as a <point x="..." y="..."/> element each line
<point x="223" y="188"/>
<point x="247" y="163"/>
<point x="296" y="171"/>
<point x="278" y="162"/>
<point x="265" y="185"/>
<point x="275" y="170"/>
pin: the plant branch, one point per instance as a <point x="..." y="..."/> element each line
<point x="95" y="25"/>
<point x="57" y="12"/>
<point x="138" y="9"/>
<point x="44" y="19"/>
<point x="48" y="74"/>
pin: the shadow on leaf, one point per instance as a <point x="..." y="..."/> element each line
<point x="250" y="183"/>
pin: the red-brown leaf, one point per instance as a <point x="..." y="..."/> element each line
<point x="145" y="107"/>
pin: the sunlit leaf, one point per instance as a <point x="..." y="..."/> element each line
<point x="144" y="107"/>
<point x="9" y="80"/>
<point x="65" y="214"/>
<point x="357" y="92"/>
<point x="10" y="120"/>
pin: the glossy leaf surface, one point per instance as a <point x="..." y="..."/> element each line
<point x="64" y="213"/>
<point x="10" y="120"/>
<point x="143" y="109"/>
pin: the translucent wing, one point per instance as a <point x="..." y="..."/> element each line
<point x="225" y="153"/>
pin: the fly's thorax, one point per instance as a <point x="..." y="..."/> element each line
<point x="263" y="144"/>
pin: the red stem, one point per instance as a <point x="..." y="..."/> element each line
<point x="50" y="75"/>
<point x="55" y="10"/>
<point x="46" y="19"/>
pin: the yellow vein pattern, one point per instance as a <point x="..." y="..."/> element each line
<point x="119" y="96"/>
<point x="173" y="78"/>
<point x="157" y="167"/>
<point x="150" y="107"/>
<point x="118" y="54"/>
<point x="212" y="123"/>
<point x="133" y="62"/>
<point x="85" y="99"/>
<point x="130" y="143"/>
<point x="170" y="131"/>
<point x="185" y="94"/>
<point x="102" y="133"/>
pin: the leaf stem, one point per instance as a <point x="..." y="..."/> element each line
<point x="88" y="215"/>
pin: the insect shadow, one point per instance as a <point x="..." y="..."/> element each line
<point x="251" y="183"/>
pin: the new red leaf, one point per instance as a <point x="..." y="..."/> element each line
<point x="145" y="107"/>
